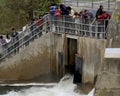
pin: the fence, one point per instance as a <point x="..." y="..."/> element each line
<point x="61" y="25"/>
<point x="89" y="27"/>
<point x="108" y="4"/>
<point x="36" y="31"/>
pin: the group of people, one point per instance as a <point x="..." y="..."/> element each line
<point x="8" y="39"/>
<point x="20" y="39"/>
<point x="57" y="10"/>
<point x="102" y="16"/>
<point x="83" y="16"/>
<point x="63" y="10"/>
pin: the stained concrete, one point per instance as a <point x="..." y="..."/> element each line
<point x="92" y="51"/>
<point x="108" y="81"/>
<point x="41" y="59"/>
<point x="31" y="62"/>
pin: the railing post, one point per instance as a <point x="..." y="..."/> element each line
<point x="90" y="26"/>
<point x="77" y="3"/>
<point x="104" y="29"/>
<point x="64" y="2"/>
<point x="96" y="29"/>
<point x="108" y="4"/>
<point x="92" y="3"/>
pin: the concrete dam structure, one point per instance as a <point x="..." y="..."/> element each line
<point x="42" y="58"/>
<point x="61" y="51"/>
<point x="108" y="81"/>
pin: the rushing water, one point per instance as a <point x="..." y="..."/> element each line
<point x="64" y="88"/>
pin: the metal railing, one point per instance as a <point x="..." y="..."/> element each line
<point x="91" y="28"/>
<point x="39" y="14"/>
<point x="82" y="27"/>
<point x="22" y="40"/>
<point x="108" y="4"/>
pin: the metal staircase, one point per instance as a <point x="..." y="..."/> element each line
<point x="35" y="31"/>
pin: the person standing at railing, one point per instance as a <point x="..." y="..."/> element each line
<point x="72" y="11"/>
<point x="8" y="40"/>
<point x="107" y="17"/>
<point x="88" y="16"/>
<point x="99" y="11"/>
<point x="67" y="10"/>
<point x="53" y="9"/>
<point x="33" y="28"/>
<point x="3" y="45"/>
<point x="62" y="9"/>
<point x="77" y="21"/>
<point x="98" y="21"/>
<point x="57" y="12"/>
<point x="40" y="22"/>
<point x="57" y="15"/>
<point x="15" y="40"/>
<point x="64" y="13"/>
<point x="81" y="22"/>
<point x="26" y="34"/>
<point x="104" y="18"/>
<point x="87" y="19"/>
<point x="52" y="12"/>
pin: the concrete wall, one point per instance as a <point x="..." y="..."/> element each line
<point x="92" y="51"/>
<point x="110" y="76"/>
<point x="38" y="59"/>
<point x="108" y="81"/>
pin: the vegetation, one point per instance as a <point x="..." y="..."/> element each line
<point x="2" y="2"/>
<point x="16" y="13"/>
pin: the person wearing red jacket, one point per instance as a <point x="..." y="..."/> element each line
<point x="104" y="19"/>
<point x="105" y="15"/>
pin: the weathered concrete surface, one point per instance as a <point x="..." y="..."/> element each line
<point x="41" y="58"/>
<point x="110" y="76"/>
<point x="92" y="51"/>
<point x="38" y="59"/>
<point x="108" y="81"/>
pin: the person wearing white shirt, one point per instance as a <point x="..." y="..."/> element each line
<point x="72" y="12"/>
<point x="8" y="40"/>
<point x="26" y="32"/>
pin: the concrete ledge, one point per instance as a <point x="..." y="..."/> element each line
<point x="112" y="53"/>
<point x="71" y="36"/>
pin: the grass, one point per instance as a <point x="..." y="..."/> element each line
<point x="2" y="2"/>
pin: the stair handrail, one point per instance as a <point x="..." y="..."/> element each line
<point x="22" y="37"/>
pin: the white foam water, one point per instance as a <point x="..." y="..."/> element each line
<point x="64" y="88"/>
